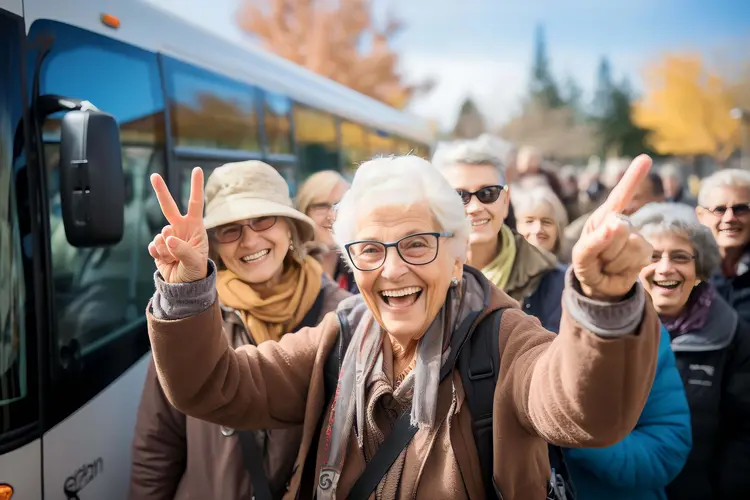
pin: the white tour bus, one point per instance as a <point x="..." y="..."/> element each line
<point x="77" y="210"/>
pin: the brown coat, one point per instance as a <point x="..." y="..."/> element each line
<point x="177" y="457"/>
<point x="575" y="389"/>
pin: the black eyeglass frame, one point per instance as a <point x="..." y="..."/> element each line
<point x="395" y="244"/>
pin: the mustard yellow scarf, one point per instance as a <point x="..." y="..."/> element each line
<point x="270" y="316"/>
<point x="498" y="271"/>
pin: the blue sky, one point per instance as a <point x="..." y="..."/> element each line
<point x="483" y="48"/>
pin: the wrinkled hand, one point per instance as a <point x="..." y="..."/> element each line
<point x="610" y="254"/>
<point x="180" y="251"/>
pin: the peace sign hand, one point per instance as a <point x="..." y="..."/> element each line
<point x="180" y="251"/>
<point x="610" y="254"/>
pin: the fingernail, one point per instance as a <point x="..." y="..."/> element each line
<point x="172" y="242"/>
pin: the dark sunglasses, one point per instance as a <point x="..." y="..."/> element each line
<point x="486" y="195"/>
<point x="229" y="233"/>
<point x="738" y="210"/>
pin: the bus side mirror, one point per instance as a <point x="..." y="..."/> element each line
<point x="92" y="190"/>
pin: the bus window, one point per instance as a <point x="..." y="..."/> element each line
<point x="100" y="292"/>
<point x="17" y="408"/>
<point x="354" y="147"/>
<point x="317" y="140"/>
<point x="421" y="150"/>
<point x="209" y="111"/>
<point x="380" y="144"/>
<point x="402" y="147"/>
<point x="277" y="123"/>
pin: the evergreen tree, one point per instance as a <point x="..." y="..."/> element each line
<point x="603" y="91"/>
<point x="543" y="86"/>
<point x="470" y="122"/>
<point x="616" y="132"/>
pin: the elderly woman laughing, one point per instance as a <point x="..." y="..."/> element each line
<point x="403" y="230"/>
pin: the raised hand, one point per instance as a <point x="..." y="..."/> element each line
<point x="610" y="254"/>
<point x="181" y="249"/>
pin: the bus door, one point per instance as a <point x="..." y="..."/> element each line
<point x="20" y="429"/>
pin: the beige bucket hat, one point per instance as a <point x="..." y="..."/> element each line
<point x="250" y="189"/>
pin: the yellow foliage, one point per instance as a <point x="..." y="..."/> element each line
<point x="686" y="107"/>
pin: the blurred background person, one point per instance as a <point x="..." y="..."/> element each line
<point x="530" y="163"/>
<point x="712" y="347"/>
<point x="540" y="217"/>
<point x="724" y="207"/>
<point x="317" y="198"/>
<point x="675" y="188"/>
<point x="267" y="287"/>
<point x="529" y="275"/>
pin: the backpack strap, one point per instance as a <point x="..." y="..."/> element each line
<point x="479" y="366"/>
<point x="252" y="458"/>
<point x="252" y="455"/>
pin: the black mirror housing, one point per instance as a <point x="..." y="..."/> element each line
<point x="92" y="187"/>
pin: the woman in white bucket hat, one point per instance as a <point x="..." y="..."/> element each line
<point x="267" y="286"/>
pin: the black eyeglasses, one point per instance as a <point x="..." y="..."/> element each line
<point x="486" y="195"/>
<point x="229" y="233"/>
<point x="738" y="210"/>
<point x="416" y="249"/>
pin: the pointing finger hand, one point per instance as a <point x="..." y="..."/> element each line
<point x="623" y="193"/>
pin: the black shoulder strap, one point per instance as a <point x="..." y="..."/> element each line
<point x="479" y="366"/>
<point x="252" y="455"/>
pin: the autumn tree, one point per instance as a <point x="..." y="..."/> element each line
<point x="687" y="109"/>
<point x="339" y="40"/>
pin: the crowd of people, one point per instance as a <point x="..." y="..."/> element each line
<point x="473" y="326"/>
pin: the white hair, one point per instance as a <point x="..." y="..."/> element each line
<point x="727" y="178"/>
<point x="528" y="200"/>
<point x="484" y="150"/>
<point x="401" y="181"/>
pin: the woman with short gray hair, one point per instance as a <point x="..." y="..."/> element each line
<point x="712" y="347"/>
<point x="530" y="275"/>
<point x="724" y="207"/>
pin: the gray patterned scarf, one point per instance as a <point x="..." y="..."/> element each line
<point x="364" y="357"/>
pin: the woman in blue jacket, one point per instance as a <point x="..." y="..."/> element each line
<point x="640" y="466"/>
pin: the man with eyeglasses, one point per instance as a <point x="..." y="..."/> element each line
<point x="724" y="207"/>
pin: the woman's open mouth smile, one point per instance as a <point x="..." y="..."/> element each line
<point x="401" y="298"/>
